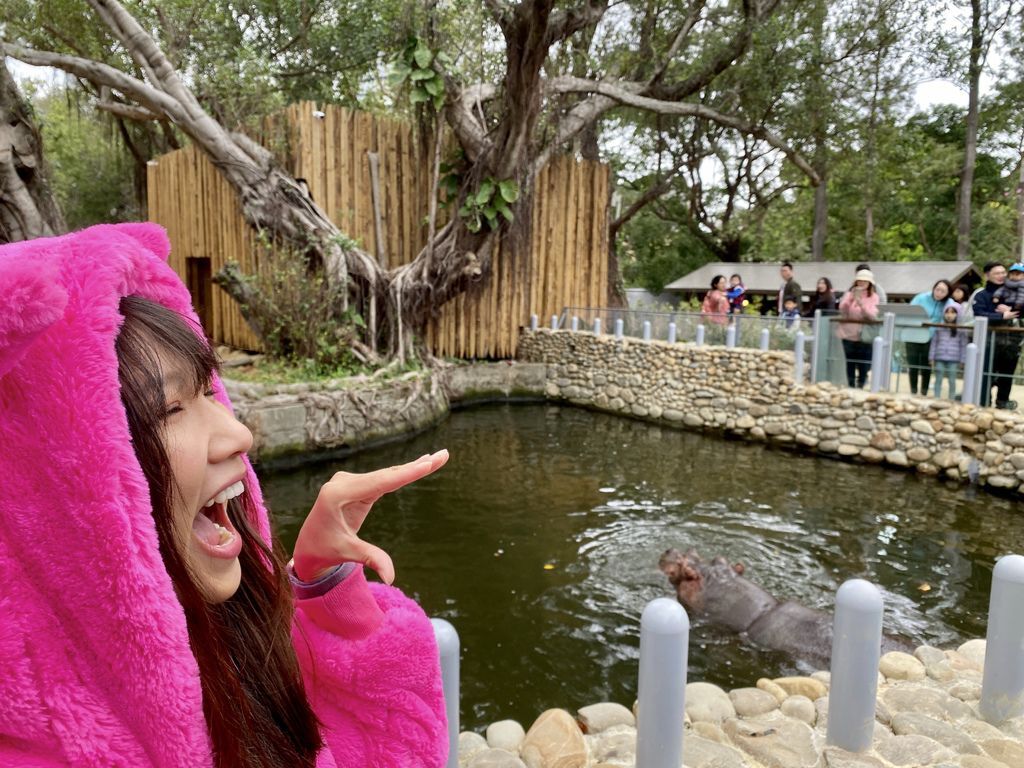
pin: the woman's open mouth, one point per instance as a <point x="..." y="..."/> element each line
<point x="212" y="527"/>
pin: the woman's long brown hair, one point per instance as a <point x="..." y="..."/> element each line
<point x="255" y="704"/>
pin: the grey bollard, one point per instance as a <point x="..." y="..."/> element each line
<point x="448" y="646"/>
<point x="766" y="337"/>
<point x="1002" y="685"/>
<point x="575" y="324"/>
<point x="856" y="649"/>
<point x="700" y="335"/>
<point x="730" y="336"/>
<point x="970" y="374"/>
<point x="671" y="333"/>
<point x="597" y="326"/>
<point x="618" y="328"/>
<point x="647" y="330"/>
<point x="798" y="358"/>
<point x="877" y="358"/>
<point x="533" y="322"/>
<point x="554" y="322"/>
<point x="661" y="696"/>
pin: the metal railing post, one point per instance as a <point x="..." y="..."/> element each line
<point x="700" y="335"/>
<point x="889" y="335"/>
<point x="766" y="339"/>
<point x="981" y="339"/>
<point x="969" y="393"/>
<point x="664" y="644"/>
<point x="619" y="323"/>
<point x="448" y="647"/>
<point x="817" y="330"/>
<point x="533" y="322"/>
<point x="647" y="330"/>
<point x="877" y="361"/>
<point x="798" y="358"/>
<point x="575" y="325"/>
<point x="597" y="326"/>
<point x="1002" y="686"/>
<point x="671" y="333"/>
<point x="554" y="322"/>
<point x="730" y="336"/>
<point x="856" y="648"/>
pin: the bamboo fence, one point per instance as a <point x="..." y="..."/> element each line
<point x="338" y="152"/>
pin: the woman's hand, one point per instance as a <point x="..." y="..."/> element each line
<point x="329" y="536"/>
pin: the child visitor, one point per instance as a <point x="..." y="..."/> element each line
<point x="736" y="294"/>
<point x="147" y="617"/>
<point x="948" y="349"/>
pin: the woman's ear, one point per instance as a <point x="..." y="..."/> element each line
<point x="33" y="300"/>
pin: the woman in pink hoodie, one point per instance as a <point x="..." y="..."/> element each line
<point x="147" y="617"/>
<point x="860" y="303"/>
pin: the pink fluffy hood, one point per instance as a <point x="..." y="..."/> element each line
<point x="95" y="663"/>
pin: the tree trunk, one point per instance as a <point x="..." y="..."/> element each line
<point x="963" y="228"/>
<point x="1020" y="209"/>
<point x="819" y="100"/>
<point x="27" y="206"/>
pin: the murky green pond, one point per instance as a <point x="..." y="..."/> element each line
<point x="599" y="498"/>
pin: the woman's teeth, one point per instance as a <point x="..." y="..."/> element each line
<point x="230" y="492"/>
<point x="224" y="534"/>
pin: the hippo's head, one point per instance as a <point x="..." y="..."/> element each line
<point x="689" y="574"/>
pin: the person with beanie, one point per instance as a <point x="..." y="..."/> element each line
<point x="148" y="617"/>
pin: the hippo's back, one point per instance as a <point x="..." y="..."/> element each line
<point x="797" y="630"/>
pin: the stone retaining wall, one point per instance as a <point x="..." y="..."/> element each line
<point x="289" y="420"/>
<point x="752" y="394"/>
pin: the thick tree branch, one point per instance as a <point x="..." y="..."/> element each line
<point x="649" y="195"/>
<point x="566" y="23"/>
<point x="677" y="42"/>
<point x="129" y="112"/>
<point x="627" y="94"/>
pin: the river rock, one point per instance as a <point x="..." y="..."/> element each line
<point x="966" y="690"/>
<point x="495" y="758"/>
<point x="897" y="458"/>
<point x="774" y="743"/>
<point x="773" y="688"/>
<point x="505" y="734"/>
<point x="928" y="654"/>
<point x="913" y="750"/>
<point x="615" y="746"/>
<point x="708" y="703"/>
<point x="800" y="708"/>
<point x="699" y="752"/>
<point x="901" y="666"/>
<point x="750" y="702"/>
<point x="802" y="686"/>
<point x="1005" y="751"/>
<point x="554" y="741"/>
<point x="912" y="697"/>
<point x="919" y="454"/>
<point x="601" y="717"/>
<point x="470" y="744"/>
<point x="980" y="761"/>
<point x="974" y="650"/>
<point x="906" y="723"/>
<point x="840" y="758"/>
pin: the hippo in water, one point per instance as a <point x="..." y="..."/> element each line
<point x="718" y="591"/>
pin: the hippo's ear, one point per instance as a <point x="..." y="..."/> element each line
<point x="739" y="568"/>
<point x="34" y="299"/>
<point x="689" y="573"/>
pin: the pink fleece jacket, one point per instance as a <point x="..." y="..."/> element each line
<point x="95" y="665"/>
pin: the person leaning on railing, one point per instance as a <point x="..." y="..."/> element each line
<point x="860" y="304"/>
<point x="1003" y="348"/>
<point x="933" y="302"/>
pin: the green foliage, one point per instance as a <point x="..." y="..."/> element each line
<point x="654" y="252"/>
<point x="90" y="175"/>
<point x="416" y="66"/>
<point x="297" y="309"/>
<point x="491" y="200"/>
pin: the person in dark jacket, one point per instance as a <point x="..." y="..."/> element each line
<point x="1003" y="349"/>
<point x="824" y="298"/>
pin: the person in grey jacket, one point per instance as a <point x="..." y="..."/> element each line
<point x="948" y="349"/>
